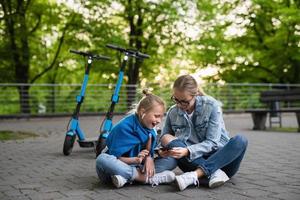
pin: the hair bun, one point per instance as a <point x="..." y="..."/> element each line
<point x="146" y="92"/>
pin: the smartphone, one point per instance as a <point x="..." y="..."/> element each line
<point x="164" y="149"/>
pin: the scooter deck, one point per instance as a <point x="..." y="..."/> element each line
<point x="88" y="142"/>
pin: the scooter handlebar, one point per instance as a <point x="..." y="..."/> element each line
<point x="93" y="56"/>
<point x="100" y="57"/>
<point x="115" y="47"/>
<point x="131" y="52"/>
<point x="141" y="55"/>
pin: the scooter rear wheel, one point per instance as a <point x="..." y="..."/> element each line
<point x="68" y="144"/>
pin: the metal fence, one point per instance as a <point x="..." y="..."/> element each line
<point x="61" y="98"/>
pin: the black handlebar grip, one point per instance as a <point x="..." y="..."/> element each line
<point x="137" y="54"/>
<point x="115" y="47"/>
<point x="75" y="51"/>
<point x="142" y="55"/>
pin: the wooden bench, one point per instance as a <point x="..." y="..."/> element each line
<point x="274" y="99"/>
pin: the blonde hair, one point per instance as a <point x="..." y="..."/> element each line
<point x="147" y="102"/>
<point x="189" y="84"/>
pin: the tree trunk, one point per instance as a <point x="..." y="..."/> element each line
<point x="135" y="42"/>
<point x="16" y="29"/>
<point x="133" y="79"/>
<point x="24" y="99"/>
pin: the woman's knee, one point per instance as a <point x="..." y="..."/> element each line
<point x="166" y="139"/>
<point x="240" y="141"/>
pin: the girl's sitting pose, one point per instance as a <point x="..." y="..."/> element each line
<point x="130" y="147"/>
<point x="196" y="140"/>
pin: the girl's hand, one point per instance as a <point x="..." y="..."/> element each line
<point x="178" y="152"/>
<point x="143" y="153"/>
<point x="149" y="169"/>
<point x="138" y="160"/>
<point x="141" y="156"/>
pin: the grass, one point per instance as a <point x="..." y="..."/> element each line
<point x="15" y="135"/>
<point x="283" y="129"/>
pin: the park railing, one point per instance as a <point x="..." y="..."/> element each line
<point x="41" y="99"/>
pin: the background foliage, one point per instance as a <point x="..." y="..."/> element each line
<point x="249" y="41"/>
<point x="246" y="41"/>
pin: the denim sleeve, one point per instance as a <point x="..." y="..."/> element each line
<point x="167" y="128"/>
<point x="213" y="135"/>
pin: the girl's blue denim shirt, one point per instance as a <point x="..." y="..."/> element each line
<point x="204" y="133"/>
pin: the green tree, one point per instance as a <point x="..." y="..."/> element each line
<point x="251" y="41"/>
<point x="37" y="35"/>
<point x="29" y="48"/>
<point x="147" y="26"/>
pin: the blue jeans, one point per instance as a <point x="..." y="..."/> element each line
<point x="227" y="158"/>
<point x="108" y="165"/>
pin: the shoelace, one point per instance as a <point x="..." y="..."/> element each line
<point x="194" y="180"/>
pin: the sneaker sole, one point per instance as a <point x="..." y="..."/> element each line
<point x="178" y="181"/>
<point x="115" y="182"/>
<point x="216" y="184"/>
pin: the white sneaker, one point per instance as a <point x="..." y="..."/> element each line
<point x="186" y="179"/>
<point x="162" y="177"/>
<point x="118" y="181"/>
<point x="217" y="179"/>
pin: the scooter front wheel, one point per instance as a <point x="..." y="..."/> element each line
<point x="68" y="144"/>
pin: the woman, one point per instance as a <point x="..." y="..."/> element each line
<point x="194" y="138"/>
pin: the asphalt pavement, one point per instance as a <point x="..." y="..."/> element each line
<point x="35" y="168"/>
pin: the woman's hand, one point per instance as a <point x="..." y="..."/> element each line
<point x="149" y="169"/>
<point x="178" y="152"/>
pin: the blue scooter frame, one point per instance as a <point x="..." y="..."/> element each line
<point x="74" y="126"/>
<point x="107" y="124"/>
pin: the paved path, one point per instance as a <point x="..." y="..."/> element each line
<point x="37" y="169"/>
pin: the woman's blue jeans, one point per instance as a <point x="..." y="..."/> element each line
<point x="227" y="158"/>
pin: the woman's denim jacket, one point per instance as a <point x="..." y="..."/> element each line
<point x="205" y="133"/>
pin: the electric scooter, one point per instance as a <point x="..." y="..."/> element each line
<point x="73" y="128"/>
<point x="107" y="124"/>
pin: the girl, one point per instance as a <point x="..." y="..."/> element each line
<point x="130" y="147"/>
<point x="195" y="139"/>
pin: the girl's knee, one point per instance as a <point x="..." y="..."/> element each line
<point x="101" y="160"/>
<point x="101" y="167"/>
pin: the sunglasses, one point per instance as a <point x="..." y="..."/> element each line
<point x="181" y="102"/>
